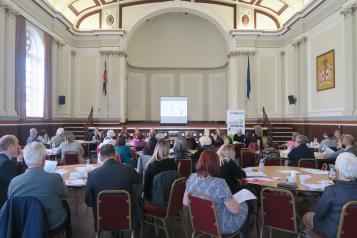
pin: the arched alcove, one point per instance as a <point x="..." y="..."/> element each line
<point x="177" y="54"/>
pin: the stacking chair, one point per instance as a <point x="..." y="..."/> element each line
<point x="154" y="214"/>
<point x="184" y="167"/>
<point x="272" y="161"/>
<point x="248" y="158"/>
<point x="204" y="217"/>
<point x="273" y="202"/>
<point x="347" y="227"/>
<point x="71" y="158"/>
<point x="308" y="163"/>
<point x="238" y="147"/>
<point x="113" y="211"/>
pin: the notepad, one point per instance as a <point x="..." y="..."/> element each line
<point x="253" y="174"/>
<point x="75" y="182"/>
<point x="315" y="171"/>
<point x="244" y="195"/>
<point x="50" y="166"/>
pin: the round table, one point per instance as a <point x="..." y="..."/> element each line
<point x="66" y="170"/>
<point x="276" y="175"/>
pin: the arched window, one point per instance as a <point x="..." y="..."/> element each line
<point x="35" y="84"/>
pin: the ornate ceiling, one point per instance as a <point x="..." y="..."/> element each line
<point x="268" y="15"/>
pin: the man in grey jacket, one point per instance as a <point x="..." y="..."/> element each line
<point x="48" y="188"/>
<point x="349" y="142"/>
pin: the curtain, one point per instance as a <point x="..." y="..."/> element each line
<point x="20" y="66"/>
<point x="47" y="109"/>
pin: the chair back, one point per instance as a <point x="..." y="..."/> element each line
<point x="272" y="161"/>
<point x="237" y="148"/>
<point x="248" y="158"/>
<point x="71" y="158"/>
<point x="85" y="149"/>
<point x="203" y="214"/>
<point x="176" y="197"/>
<point x="161" y="187"/>
<point x="113" y="210"/>
<point x="308" y="163"/>
<point x="253" y="146"/>
<point x="273" y="202"/>
<point x="347" y="227"/>
<point x="184" y="166"/>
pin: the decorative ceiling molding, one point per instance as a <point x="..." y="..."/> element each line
<point x="76" y="11"/>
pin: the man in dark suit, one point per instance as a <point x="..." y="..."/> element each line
<point x="300" y="151"/>
<point x="110" y="176"/>
<point x="349" y="142"/>
<point x="9" y="147"/>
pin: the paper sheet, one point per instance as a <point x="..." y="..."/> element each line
<point x="50" y="166"/>
<point x="61" y="171"/>
<point x="253" y="174"/>
<point x="315" y="171"/>
<point x="76" y="175"/>
<point x="244" y="195"/>
<point x="289" y="171"/>
<point x="75" y="182"/>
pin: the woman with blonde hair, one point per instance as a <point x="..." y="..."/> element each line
<point x="230" y="171"/>
<point x="160" y="162"/>
<point x="70" y="145"/>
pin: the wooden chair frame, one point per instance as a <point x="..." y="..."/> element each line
<point x="128" y="201"/>
<point x="206" y="197"/>
<point x="290" y="194"/>
<point x="154" y="220"/>
<point x="342" y="218"/>
<point x="308" y="159"/>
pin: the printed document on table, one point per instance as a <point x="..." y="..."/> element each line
<point x="244" y="195"/>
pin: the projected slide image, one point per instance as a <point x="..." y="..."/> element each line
<point x="173" y="110"/>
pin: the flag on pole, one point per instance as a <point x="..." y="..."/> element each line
<point x="248" y="80"/>
<point x="105" y="79"/>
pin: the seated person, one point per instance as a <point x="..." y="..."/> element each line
<point x="239" y="136"/>
<point x="9" y="148"/>
<point x="109" y="139"/>
<point x="71" y="145"/>
<point x="300" y="151"/>
<point x="325" y="219"/>
<point x="180" y="148"/>
<point x="33" y="136"/>
<point x="329" y="141"/>
<point x="146" y="155"/>
<point x="338" y="136"/>
<point x="230" y="171"/>
<point x="160" y="162"/>
<point x="230" y="213"/>
<point x="152" y="133"/>
<point x="226" y="139"/>
<point x="205" y="143"/>
<point x="269" y="150"/>
<point x="94" y="135"/>
<point x="292" y="143"/>
<point x="206" y="134"/>
<point x="48" y="188"/>
<point x="348" y="143"/>
<point x="139" y="141"/>
<point x="124" y="151"/>
<point x="110" y="176"/>
<point x="58" y="138"/>
<point x="43" y="137"/>
<point x="191" y="142"/>
<point x="124" y="132"/>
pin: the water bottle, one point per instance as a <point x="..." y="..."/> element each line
<point x="53" y="146"/>
<point x="261" y="165"/>
<point x="286" y="163"/>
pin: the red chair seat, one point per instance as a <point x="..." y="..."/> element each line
<point x="155" y="210"/>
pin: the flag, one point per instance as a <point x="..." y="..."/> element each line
<point x="90" y="117"/>
<point x="105" y="79"/>
<point x="248" y="80"/>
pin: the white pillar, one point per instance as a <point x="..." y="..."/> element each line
<point x="54" y="78"/>
<point x="122" y="88"/>
<point x="234" y="94"/>
<point x="10" y="92"/>
<point x="2" y="58"/>
<point x="282" y="93"/>
<point x="349" y="37"/>
<point x="72" y="81"/>
<point x="303" y="85"/>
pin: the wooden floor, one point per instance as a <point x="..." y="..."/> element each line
<point x="82" y="223"/>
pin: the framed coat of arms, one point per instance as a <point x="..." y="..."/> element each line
<point x="325" y="70"/>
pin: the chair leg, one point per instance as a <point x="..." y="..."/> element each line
<point x="261" y="231"/>
<point x="165" y="228"/>
<point x="142" y="228"/>
<point x="270" y="233"/>
<point x="193" y="234"/>
<point x="156" y="228"/>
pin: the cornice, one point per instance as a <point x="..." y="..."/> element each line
<point x="112" y="52"/>
<point x="300" y="41"/>
<point x="241" y="53"/>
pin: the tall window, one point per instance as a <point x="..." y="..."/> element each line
<point x="35" y="83"/>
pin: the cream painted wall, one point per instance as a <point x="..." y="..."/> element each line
<point x="281" y="66"/>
